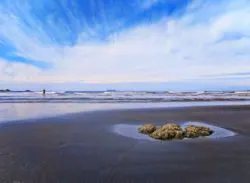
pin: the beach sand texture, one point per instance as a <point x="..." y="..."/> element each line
<point x="83" y="148"/>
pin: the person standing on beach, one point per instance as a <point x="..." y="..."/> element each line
<point x="44" y="92"/>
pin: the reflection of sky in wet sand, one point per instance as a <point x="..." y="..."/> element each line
<point x="16" y="111"/>
<point x="131" y="131"/>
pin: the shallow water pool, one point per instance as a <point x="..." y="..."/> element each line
<point x="130" y="131"/>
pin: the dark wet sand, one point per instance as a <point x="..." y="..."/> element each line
<point x="82" y="148"/>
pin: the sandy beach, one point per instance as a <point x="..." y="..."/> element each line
<point x="124" y="91"/>
<point x="82" y="147"/>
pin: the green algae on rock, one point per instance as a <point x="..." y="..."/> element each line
<point x="174" y="131"/>
<point x="165" y="134"/>
<point x="171" y="126"/>
<point x="147" y="129"/>
<point x="168" y="132"/>
<point x="193" y="131"/>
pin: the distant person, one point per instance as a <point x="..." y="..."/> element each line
<point x="44" y="92"/>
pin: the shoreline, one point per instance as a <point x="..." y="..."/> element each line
<point x="31" y="111"/>
<point x="80" y="148"/>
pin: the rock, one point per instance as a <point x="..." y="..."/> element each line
<point x="171" y="126"/>
<point x="147" y="129"/>
<point x="162" y="134"/>
<point x="192" y="131"/>
<point x="7" y="90"/>
<point x="168" y="132"/>
<point x="174" y="131"/>
<point x="180" y="134"/>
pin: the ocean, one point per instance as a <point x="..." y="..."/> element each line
<point x="33" y="105"/>
<point x="121" y="96"/>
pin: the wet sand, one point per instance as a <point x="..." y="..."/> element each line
<point x="83" y="148"/>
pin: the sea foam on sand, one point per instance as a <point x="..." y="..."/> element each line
<point x="131" y="131"/>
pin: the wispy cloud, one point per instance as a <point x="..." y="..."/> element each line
<point x="146" y="4"/>
<point x="205" y="39"/>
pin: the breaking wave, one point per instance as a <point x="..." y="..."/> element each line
<point x="121" y="96"/>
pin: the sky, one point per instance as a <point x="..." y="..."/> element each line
<point x="132" y="44"/>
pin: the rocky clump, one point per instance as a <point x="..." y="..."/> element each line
<point x="174" y="131"/>
<point x="192" y="131"/>
<point x="171" y="127"/>
<point x="168" y="132"/>
<point x="147" y="129"/>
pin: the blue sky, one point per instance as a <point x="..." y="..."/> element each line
<point x="96" y="44"/>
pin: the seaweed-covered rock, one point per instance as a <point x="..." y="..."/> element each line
<point x="168" y="132"/>
<point x="162" y="134"/>
<point x="171" y="126"/>
<point x="147" y="129"/>
<point x="174" y="131"/>
<point x="180" y="134"/>
<point x="192" y="131"/>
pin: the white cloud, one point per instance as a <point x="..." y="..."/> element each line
<point x="146" y="4"/>
<point x="169" y="50"/>
<point x="17" y="72"/>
